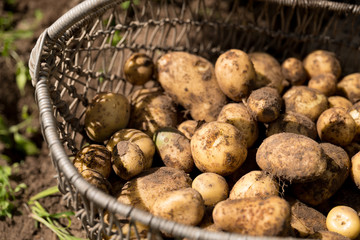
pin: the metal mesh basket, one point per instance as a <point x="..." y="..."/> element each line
<point x="83" y="53"/>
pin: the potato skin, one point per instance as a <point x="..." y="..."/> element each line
<point x="339" y="101"/>
<point x="355" y="169"/>
<point x="219" y="148"/>
<point x="324" y="83"/>
<point x="234" y="73"/>
<point x="349" y="87"/>
<point x="190" y="81"/>
<point x="188" y="128"/>
<point x="354" y="112"/>
<point x="293" y="70"/>
<point x="292" y="157"/>
<point x="138" y="69"/>
<point x="254" y="216"/>
<point x="321" y="61"/>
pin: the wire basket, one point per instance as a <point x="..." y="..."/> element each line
<point x="83" y="53"/>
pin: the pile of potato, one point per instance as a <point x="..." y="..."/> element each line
<point x="245" y="145"/>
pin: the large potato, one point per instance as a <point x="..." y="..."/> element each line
<point x="106" y="114"/>
<point x="190" y="81"/>
<point x="349" y="87"/>
<point x="254" y="216"/>
<point x="219" y="148"/>
<point x="292" y="157"/>
<point x="321" y="61"/>
<point x="235" y="73"/>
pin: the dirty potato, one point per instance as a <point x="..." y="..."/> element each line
<point x="339" y="101"/>
<point x="355" y="169"/>
<point x="190" y="81"/>
<point x="238" y="115"/>
<point x="324" y="83"/>
<point x="219" y="148"/>
<point x="354" y="112"/>
<point x="234" y="73"/>
<point x="293" y="71"/>
<point x="292" y="157"/>
<point x="349" y="87"/>
<point x="321" y="61"/>
<point x="188" y="128"/>
<point x="138" y="69"/>
<point x="254" y="216"/>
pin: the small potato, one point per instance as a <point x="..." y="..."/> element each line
<point x="306" y="101"/>
<point x="238" y="115"/>
<point x="349" y="87"/>
<point x="294" y="71"/>
<point x="151" y="110"/>
<point x="268" y="71"/>
<point x="219" y="148"/>
<point x="324" y="83"/>
<point x="321" y="189"/>
<point x="138" y="69"/>
<point x="174" y="149"/>
<point x="234" y="73"/>
<point x="336" y="126"/>
<point x="354" y="112"/>
<point x="355" y="169"/>
<point x="254" y="184"/>
<point x="95" y="157"/>
<point x="138" y="137"/>
<point x="106" y="114"/>
<point x="97" y="179"/>
<point x="292" y="122"/>
<point x="321" y="61"/>
<point x="184" y="206"/>
<point x="292" y="157"/>
<point x="344" y="220"/>
<point x="188" y="128"/>
<point x="127" y="159"/>
<point x="338" y="101"/>
<point x="254" y="216"/>
<point x="212" y="187"/>
<point x="328" y="235"/>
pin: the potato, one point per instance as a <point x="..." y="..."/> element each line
<point x="321" y="189"/>
<point x="349" y="87"/>
<point x="127" y="159"/>
<point x="292" y="157"/>
<point x="97" y="179"/>
<point x="218" y="147"/>
<point x="324" y="83"/>
<point x="234" y="73"/>
<point x="306" y="101"/>
<point x="328" y="235"/>
<point x="212" y="187"/>
<point x="254" y="216"/>
<point x="338" y="101"/>
<point x="294" y="72"/>
<point x="138" y="69"/>
<point x="184" y="206"/>
<point x="106" y="114"/>
<point x="264" y="104"/>
<point x="354" y="112"/>
<point x="355" y="169"/>
<point x="190" y="81"/>
<point x="174" y="149"/>
<point x="95" y="157"/>
<point x="238" y="115"/>
<point x="142" y="191"/>
<point x="321" y="61"/>
<point x="254" y="184"/>
<point x="336" y="126"/>
<point x="344" y="220"/>
<point x="268" y="71"/>
<point x="188" y="128"/>
<point x="151" y="110"/>
<point x="293" y="122"/>
<point x="138" y="137"/>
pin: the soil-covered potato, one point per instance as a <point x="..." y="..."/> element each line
<point x="95" y="157"/>
<point x="294" y="72"/>
<point x="292" y="157"/>
<point x="324" y="83"/>
<point x="293" y="122"/>
<point x="106" y="114"/>
<point x="97" y="179"/>
<point x="190" y="81"/>
<point x="349" y="87"/>
<point x="254" y="216"/>
<point x="255" y="184"/>
<point x="355" y="169"/>
<point x="336" y="126"/>
<point x="268" y="71"/>
<point x="306" y="101"/>
<point x="354" y="112"/>
<point x="234" y="73"/>
<point x="344" y="220"/>
<point x="321" y="61"/>
<point x="188" y="128"/>
<point x="151" y="110"/>
<point x="174" y="149"/>
<point x="238" y="115"/>
<point x="184" y="206"/>
<point x="339" y="101"/>
<point x="218" y="147"/>
<point x="151" y="184"/>
<point x="212" y="187"/>
<point x="138" y="137"/>
<point x="337" y="171"/>
<point x="138" y="69"/>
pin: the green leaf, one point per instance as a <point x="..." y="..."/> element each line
<point x="25" y="145"/>
<point x="21" y="76"/>
<point x="19" y="187"/>
<point x="45" y="193"/>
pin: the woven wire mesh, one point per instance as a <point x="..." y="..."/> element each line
<point x="84" y="52"/>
